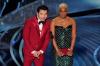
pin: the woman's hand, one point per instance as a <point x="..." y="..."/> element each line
<point x="59" y="53"/>
<point x="70" y="52"/>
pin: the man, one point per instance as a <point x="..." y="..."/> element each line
<point x="36" y="35"/>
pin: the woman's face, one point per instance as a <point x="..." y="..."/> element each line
<point x="63" y="12"/>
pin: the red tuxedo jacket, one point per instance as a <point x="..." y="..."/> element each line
<point x="32" y="38"/>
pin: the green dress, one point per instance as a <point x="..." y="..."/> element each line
<point x="63" y="40"/>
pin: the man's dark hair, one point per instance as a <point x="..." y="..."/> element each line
<point x="42" y="7"/>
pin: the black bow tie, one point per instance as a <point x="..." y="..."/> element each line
<point x="41" y="22"/>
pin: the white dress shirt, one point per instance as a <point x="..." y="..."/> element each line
<point x="40" y="26"/>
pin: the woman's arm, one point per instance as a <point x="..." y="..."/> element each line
<point x="70" y="50"/>
<point x="73" y="34"/>
<point x="52" y="29"/>
<point x="59" y="53"/>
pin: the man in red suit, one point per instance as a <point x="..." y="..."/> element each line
<point x="36" y="35"/>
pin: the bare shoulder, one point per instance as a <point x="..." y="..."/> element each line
<point x="72" y="20"/>
<point x="54" y="20"/>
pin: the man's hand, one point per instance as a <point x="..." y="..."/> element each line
<point x="35" y="53"/>
<point x="40" y="52"/>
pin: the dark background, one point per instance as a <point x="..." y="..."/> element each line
<point x="86" y="13"/>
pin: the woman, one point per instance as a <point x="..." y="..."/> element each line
<point x="63" y="29"/>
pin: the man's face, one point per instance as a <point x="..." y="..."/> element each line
<point x="63" y="12"/>
<point x="42" y="15"/>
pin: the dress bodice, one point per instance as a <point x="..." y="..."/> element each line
<point x="63" y="36"/>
